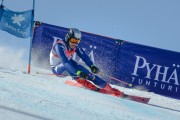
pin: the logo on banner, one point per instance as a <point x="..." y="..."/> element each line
<point x="17" y="23"/>
<point x="17" y="19"/>
<point x="150" y="74"/>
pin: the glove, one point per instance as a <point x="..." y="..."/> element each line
<point x="81" y="74"/>
<point x="94" y="69"/>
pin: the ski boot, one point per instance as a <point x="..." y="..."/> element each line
<point x="87" y="84"/>
<point x="109" y="90"/>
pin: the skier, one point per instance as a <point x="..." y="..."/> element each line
<point x="61" y="61"/>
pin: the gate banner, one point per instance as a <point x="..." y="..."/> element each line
<point x="16" y="23"/>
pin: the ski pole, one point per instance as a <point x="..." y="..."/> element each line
<point x="51" y="74"/>
<point x="130" y="85"/>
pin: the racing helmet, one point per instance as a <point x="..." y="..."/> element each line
<point x="73" y="33"/>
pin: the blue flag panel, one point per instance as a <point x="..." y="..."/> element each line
<point x="147" y="68"/>
<point x="16" y="23"/>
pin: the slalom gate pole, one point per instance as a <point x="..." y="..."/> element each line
<point x="31" y="38"/>
<point x="51" y="74"/>
<point x="130" y="85"/>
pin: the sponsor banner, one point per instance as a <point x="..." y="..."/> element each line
<point x="147" y="68"/>
<point x="16" y="23"/>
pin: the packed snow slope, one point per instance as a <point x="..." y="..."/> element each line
<point x="43" y="97"/>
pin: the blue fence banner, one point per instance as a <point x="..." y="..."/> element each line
<point x="147" y="68"/>
<point x="16" y="23"/>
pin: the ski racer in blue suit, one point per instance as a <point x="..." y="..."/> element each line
<point x="61" y="61"/>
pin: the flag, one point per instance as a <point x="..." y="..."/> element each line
<point x="16" y="23"/>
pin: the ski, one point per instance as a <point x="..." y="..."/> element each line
<point x="139" y="99"/>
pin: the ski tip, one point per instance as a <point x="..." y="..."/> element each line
<point x="138" y="99"/>
<point x="145" y="100"/>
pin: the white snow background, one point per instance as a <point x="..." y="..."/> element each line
<point x="43" y="97"/>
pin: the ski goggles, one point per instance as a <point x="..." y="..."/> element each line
<point x="74" y="40"/>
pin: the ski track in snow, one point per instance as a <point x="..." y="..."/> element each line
<point x="42" y="97"/>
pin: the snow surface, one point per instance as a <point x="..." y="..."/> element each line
<point x="43" y="97"/>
